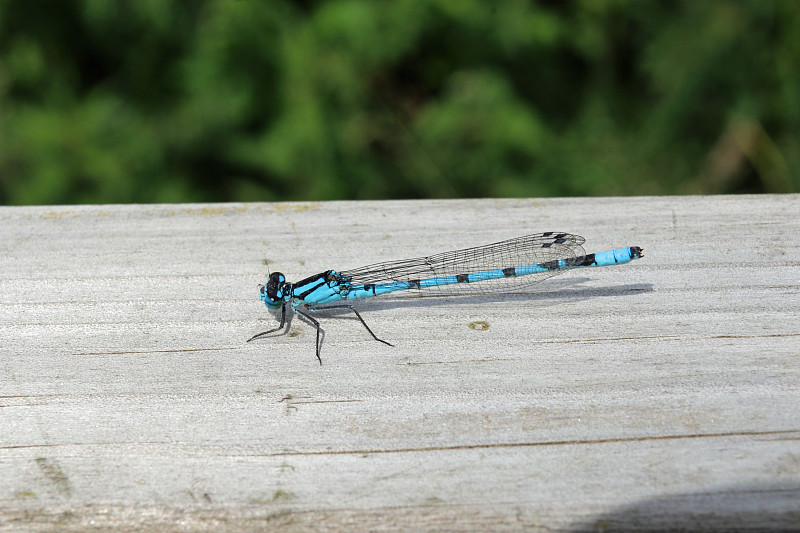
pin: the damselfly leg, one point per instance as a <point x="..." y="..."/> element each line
<point x="353" y="309"/>
<point x="264" y="333"/>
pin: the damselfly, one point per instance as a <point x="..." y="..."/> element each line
<point x="490" y="269"/>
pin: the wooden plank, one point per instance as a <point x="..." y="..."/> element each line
<point x="660" y="392"/>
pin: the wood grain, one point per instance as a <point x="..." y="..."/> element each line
<point x="660" y="392"/>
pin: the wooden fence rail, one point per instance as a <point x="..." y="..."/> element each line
<point x="663" y="393"/>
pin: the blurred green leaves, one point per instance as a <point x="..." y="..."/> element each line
<point x="174" y="101"/>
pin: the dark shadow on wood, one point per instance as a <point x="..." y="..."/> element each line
<point x="741" y="508"/>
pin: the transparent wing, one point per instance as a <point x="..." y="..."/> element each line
<point x="528" y="250"/>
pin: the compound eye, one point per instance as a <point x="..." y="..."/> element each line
<point x="274" y="288"/>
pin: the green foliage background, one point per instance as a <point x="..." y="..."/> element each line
<point x="172" y="101"/>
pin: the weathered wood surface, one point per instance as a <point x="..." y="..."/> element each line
<point x="663" y="392"/>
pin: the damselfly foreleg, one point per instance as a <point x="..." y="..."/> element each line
<point x="264" y="333"/>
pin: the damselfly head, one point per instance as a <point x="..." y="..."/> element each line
<point x="272" y="294"/>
